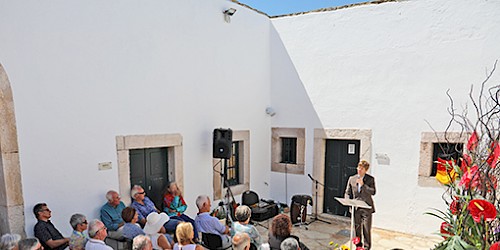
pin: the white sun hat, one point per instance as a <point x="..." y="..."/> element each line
<point x="154" y="222"/>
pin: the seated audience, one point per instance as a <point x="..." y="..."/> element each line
<point x="142" y="242"/>
<point x="9" y="241"/>
<point x="185" y="237"/>
<point x="281" y="228"/>
<point x="131" y="229"/>
<point x="290" y="244"/>
<point x="175" y="206"/>
<point x="97" y="232"/>
<point x="30" y="244"/>
<point x="209" y="224"/>
<point x="243" y="214"/>
<point x="78" y="238"/>
<point x="111" y="214"/>
<point x="47" y="234"/>
<point x="155" y="231"/>
<point x="241" y="241"/>
<point x="145" y="206"/>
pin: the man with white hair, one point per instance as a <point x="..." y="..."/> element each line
<point x="30" y="244"/>
<point x="111" y="214"/>
<point x="209" y="224"/>
<point x="290" y="244"/>
<point x="241" y="241"/>
<point x="142" y="242"/>
<point x="97" y="232"/>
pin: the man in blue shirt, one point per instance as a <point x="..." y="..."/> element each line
<point x="145" y="206"/>
<point x="111" y="214"/>
<point x="209" y="224"/>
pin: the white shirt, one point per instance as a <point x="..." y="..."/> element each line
<point x="94" y="244"/>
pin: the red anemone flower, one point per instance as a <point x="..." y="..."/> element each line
<point x="482" y="209"/>
<point x="473" y="141"/>
<point x="466" y="161"/>
<point x="356" y="240"/>
<point x="455" y="207"/>
<point x="445" y="227"/>
<point x="495" y="246"/>
<point x="494" y="155"/>
<point x="468" y="176"/>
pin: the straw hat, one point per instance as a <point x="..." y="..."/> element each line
<point x="154" y="222"/>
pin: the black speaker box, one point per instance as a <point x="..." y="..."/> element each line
<point x="223" y="141"/>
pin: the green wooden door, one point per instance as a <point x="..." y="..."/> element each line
<point x="149" y="168"/>
<point x="341" y="161"/>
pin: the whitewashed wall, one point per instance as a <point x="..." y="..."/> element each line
<point x="83" y="72"/>
<point x="382" y="67"/>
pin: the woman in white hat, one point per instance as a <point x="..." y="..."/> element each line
<point x="155" y="230"/>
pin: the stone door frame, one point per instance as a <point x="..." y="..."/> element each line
<point x="11" y="190"/>
<point x="320" y="137"/>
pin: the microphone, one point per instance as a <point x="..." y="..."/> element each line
<point x="310" y="177"/>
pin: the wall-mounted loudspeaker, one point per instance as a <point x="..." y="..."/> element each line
<point x="223" y="141"/>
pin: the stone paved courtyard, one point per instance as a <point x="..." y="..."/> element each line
<point x="320" y="234"/>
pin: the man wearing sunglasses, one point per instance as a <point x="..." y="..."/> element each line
<point x="45" y="231"/>
<point x="145" y="206"/>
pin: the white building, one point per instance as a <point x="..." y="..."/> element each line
<point x="92" y="82"/>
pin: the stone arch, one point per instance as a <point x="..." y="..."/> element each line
<point x="11" y="192"/>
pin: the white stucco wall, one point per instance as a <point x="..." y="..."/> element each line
<point x="83" y="72"/>
<point x="383" y="67"/>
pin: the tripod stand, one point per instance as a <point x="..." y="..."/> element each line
<point x="228" y="206"/>
<point x="316" y="183"/>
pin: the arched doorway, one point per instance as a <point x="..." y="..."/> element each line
<point x="11" y="193"/>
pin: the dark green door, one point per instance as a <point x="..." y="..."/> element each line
<point x="341" y="161"/>
<point x="149" y="168"/>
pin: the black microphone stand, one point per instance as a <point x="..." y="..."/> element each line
<point x="316" y="183"/>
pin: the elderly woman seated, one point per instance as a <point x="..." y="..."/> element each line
<point x="242" y="215"/>
<point x="175" y="206"/>
<point x="9" y="241"/>
<point x="281" y="229"/>
<point x="78" y="238"/>
<point x="131" y="228"/>
<point x="155" y="231"/>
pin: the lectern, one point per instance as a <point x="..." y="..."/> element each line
<point x="353" y="204"/>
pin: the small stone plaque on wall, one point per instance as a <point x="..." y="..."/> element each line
<point x="382" y="159"/>
<point x="105" y="166"/>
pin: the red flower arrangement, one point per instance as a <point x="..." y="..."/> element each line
<point x="471" y="221"/>
<point x="482" y="209"/>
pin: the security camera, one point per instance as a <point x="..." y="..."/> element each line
<point x="229" y="12"/>
<point x="270" y="111"/>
